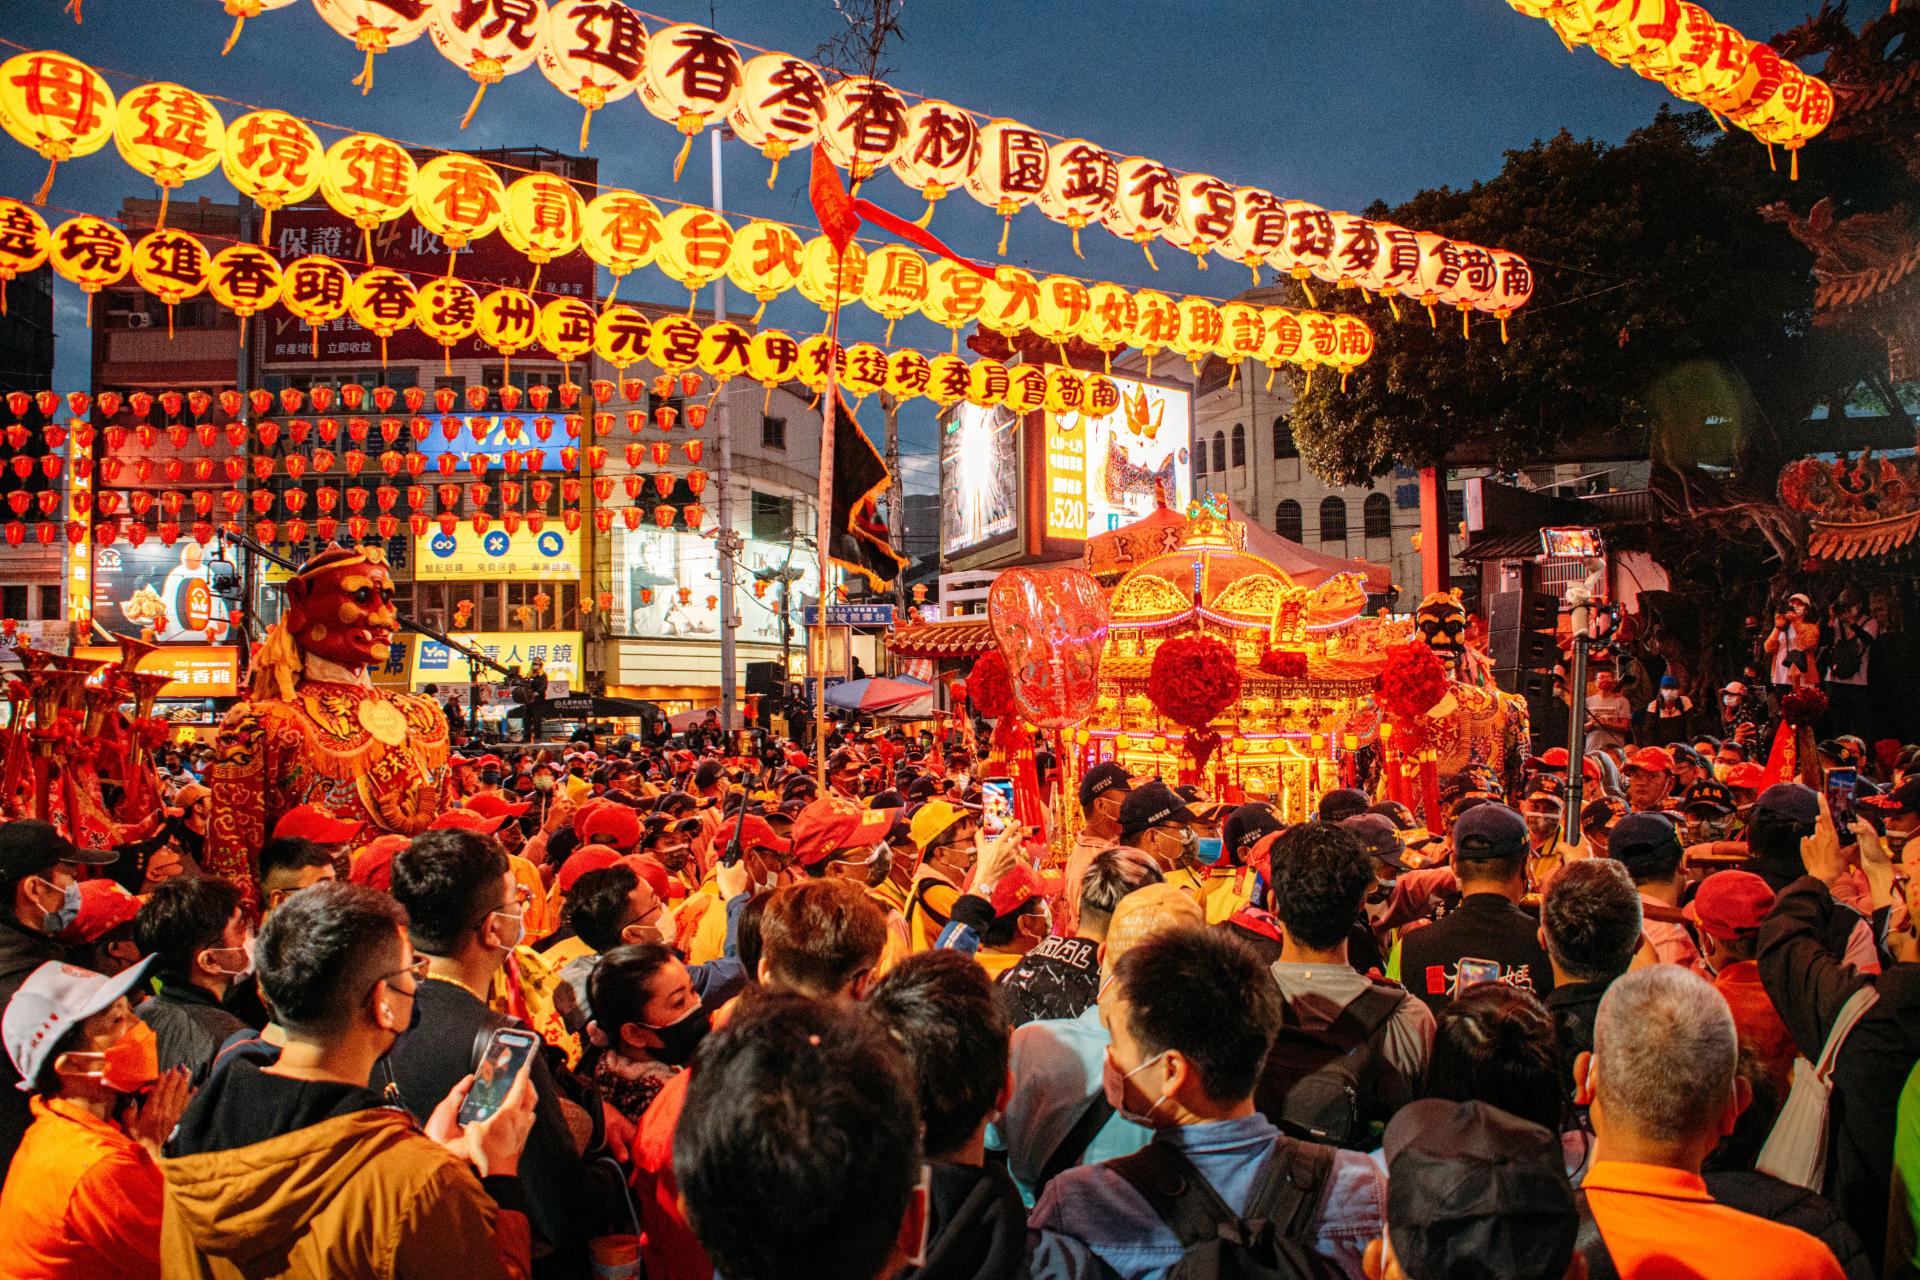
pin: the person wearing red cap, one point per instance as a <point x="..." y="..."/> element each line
<point x="101" y="936"/>
<point x="1649" y="779"/>
<point x="1727" y="911"/>
<point x="1022" y="919"/>
<point x="321" y="825"/>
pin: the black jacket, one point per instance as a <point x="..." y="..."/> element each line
<point x="977" y="1228"/>
<point x="1796" y="1207"/>
<point x="1057" y="979"/>
<point x="190" y="1026"/>
<point x="21" y="952"/>
<point x="1574" y="1007"/>
<point x="1808" y="983"/>
<point x="1485" y="926"/>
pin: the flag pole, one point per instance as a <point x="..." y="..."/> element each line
<point x="823" y="536"/>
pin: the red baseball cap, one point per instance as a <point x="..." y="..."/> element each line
<point x="104" y="907"/>
<point x="373" y="862"/>
<point x="588" y="857"/>
<point x="796" y="759"/>
<point x="608" y="823"/>
<point x="466" y="820"/>
<point x="758" y="835"/>
<point x="1016" y="889"/>
<point x="833" y="823"/>
<point x="492" y="805"/>
<point x="317" y="823"/>
<point x="1746" y="776"/>
<point x="651" y="871"/>
<point x="1651" y="759"/>
<point x="1555" y="758"/>
<point x="1731" y="904"/>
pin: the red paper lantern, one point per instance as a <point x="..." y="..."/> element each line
<point x="663" y="516"/>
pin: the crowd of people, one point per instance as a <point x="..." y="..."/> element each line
<point x="637" y="1007"/>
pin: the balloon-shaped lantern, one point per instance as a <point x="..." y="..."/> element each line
<point x="170" y="134"/>
<point x="593" y="54"/>
<point x="314" y="289"/>
<point x="1203" y="215"/>
<point x="765" y="262"/>
<point x="695" y="247"/>
<point x="690" y="77"/>
<point x="488" y="39"/>
<point x="59" y="106"/>
<point x="1144" y="205"/>
<point x="866" y="126"/>
<point x="382" y="301"/>
<point x="375" y="26"/>
<point x="1010" y="170"/>
<point x="622" y="231"/>
<point x="448" y="311"/>
<point x="274" y="160"/>
<point x="896" y="283"/>
<point x="1082" y="181"/>
<point x="172" y="266"/>
<point x="458" y="198"/>
<point x="567" y="329"/>
<point x="544" y="219"/>
<point x="92" y="253"/>
<point x="782" y="107"/>
<point x="24" y="243"/>
<point x="942" y="141"/>
<point x="246" y="280"/>
<point x="621" y="334"/>
<point x="370" y="179"/>
<point x="240" y="11"/>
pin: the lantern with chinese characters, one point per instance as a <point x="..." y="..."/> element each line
<point x="772" y="358"/>
<point x="1111" y="316"/>
<point x="1157" y="323"/>
<point x="245" y="279"/>
<point x="274" y="160"/>
<point x="941" y="143"/>
<point x="92" y="253"/>
<point x="1013" y="301"/>
<point x="695" y="246"/>
<point x="1026" y="388"/>
<point x="1805" y="108"/>
<point x="544" y="219"/>
<point x="725" y="352"/>
<point x="1009" y="171"/>
<point x="1200" y="333"/>
<point x="1259" y="229"/>
<point x="1439" y="270"/>
<point x="866" y="126"/>
<point x="947" y="379"/>
<point x="1512" y="292"/>
<point x="1477" y="282"/>
<point x="1242" y="336"/>
<point x="987" y="383"/>
<point x="1143" y="207"/>
<point x="830" y="277"/>
<point x="170" y="134"/>
<point x="690" y="77"/>
<point x="1319" y="343"/>
<point x="448" y="311"/>
<point x="488" y="39"/>
<point x="1727" y="78"/>
<point x="1309" y="243"/>
<point x="240" y="11"/>
<point x="621" y="334"/>
<point x="1283" y="337"/>
<point x="1061" y="312"/>
<point x="172" y="266"/>
<point x="1686" y="49"/>
<point x="782" y="107"/>
<point x="369" y="179"/>
<point x="375" y="26"/>
<point x="1066" y="390"/>
<point x="59" y="106"/>
<point x="818" y="354"/>
<point x="382" y="302"/>
<point x="1356" y="248"/>
<point x="1353" y="343"/>
<point x="896" y="283"/>
<point x="458" y="198"/>
<point x="509" y="320"/>
<point x="675" y="343"/>
<point x="622" y="230"/>
<point x="1203" y="215"/>
<point x="866" y="370"/>
<point x="24" y="243"/>
<point x="567" y="329"/>
<point x="765" y="261"/>
<point x="956" y="295"/>
<point x="1629" y="28"/>
<point x="1082" y="180"/>
<point x="907" y="374"/>
<point x="593" y="54"/>
<point x="1396" y="264"/>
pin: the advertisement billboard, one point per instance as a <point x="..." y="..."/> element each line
<point x="980" y="489"/>
<point x="496" y="555"/>
<point x="1101" y="472"/>
<point x="434" y="663"/>
<point x="652" y="564"/>
<point x="198" y="670"/>
<point x="169" y="589"/>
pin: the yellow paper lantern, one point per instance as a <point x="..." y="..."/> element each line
<point x="1396" y="264"/>
<point x="866" y="369"/>
<point x="59" y="106"/>
<point x="622" y="230"/>
<point x="488" y="39"/>
<point x="726" y="350"/>
<point x="448" y="311"/>
<point x="1157" y="325"/>
<point x="1201" y="331"/>
<point x="24" y="243"/>
<point x="941" y="143"/>
<point x="1103" y="396"/>
<point x="509" y="320"/>
<point x="675" y="344"/>
<point x="1243" y="333"/>
<point x="1319" y="343"/>
<point x="818" y="354"/>
<point x="1009" y="170"/>
<point x="314" y="289"/>
<point x="1259" y="229"/>
<point x="1082" y="181"/>
<point x="170" y="134"/>
<point x="622" y="335"/>
<point x="866" y="126"/>
<point x="956" y="295"/>
<point x="370" y="180"/>
<point x="172" y="266"/>
<point x="1066" y="390"/>
<point x="1064" y="306"/>
<point x="1629" y="28"/>
<point x="592" y="54"/>
<point x="1477" y="282"/>
<point x="765" y="261"/>
<point x="948" y="378"/>
<point x="772" y="357"/>
<point x="908" y="373"/>
<point x="1309" y="242"/>
<point x="375" y="27"/>
<point x="695" y="246"/>
<point x="782" y="107"/>
<point x="1763" y="76"/>
<point x="1513" y="290"/>
<point x="92" y="253"/>
<point x="1356" y="250"/>
<point x="567" y="328"/>
<point x="381" y="301"/>
<point x="1353" y="344"/>
<point x="1203" y="215"/>
<point x="1143" y="207"/>
<point x="1440" y="267"/>
<point x="460" y="199"/>
<point x="829" y="278"/>
<point x="1111" y="317"/>
<point x="1026" y="388"/>
<point x="896" y="283"/>
<point x="544" y="219"/>
<point x="1798" y="112"/>
<point x="1690" y="45"/>
<point x="246" y="280"/>
<point x="1013" y="301"/>
<point x="987" y="383"/>
<point x="690" y="77"/>
<point x="274" y="160"/>
<point x="1284" y="335"/>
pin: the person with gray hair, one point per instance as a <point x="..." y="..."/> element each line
<point x="1590" y="925"/>
<point x="1663" y="1089"/>
<point x="1060" y="977"/>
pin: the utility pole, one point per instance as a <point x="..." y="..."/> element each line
<point x="727" y="541"/>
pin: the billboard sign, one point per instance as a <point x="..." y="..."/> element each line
<point x="496" y="555"/>
<point x="198" y="670"/>
<point x="980" y="490"/>
<point x="1101" y="473"/>
<point x="169" y="589"/>
<point x="494" y="444"/>
<point x="652" y="564"/>
<point x="436" y="664"/>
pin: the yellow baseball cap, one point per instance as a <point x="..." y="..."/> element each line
<point x="933" y="819"/>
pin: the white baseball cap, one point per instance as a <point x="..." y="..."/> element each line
<point x="53" y="1000"/>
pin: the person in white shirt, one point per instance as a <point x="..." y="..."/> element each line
<point x="1609" y="714"/>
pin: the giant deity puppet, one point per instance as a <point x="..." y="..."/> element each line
<point x="315" y="730"/>
<point x="1480" y="726"/>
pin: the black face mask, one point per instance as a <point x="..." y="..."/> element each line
<point x="679" y="1039"/>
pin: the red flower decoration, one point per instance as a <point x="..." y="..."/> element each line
<point x="990" y="686"/>
<point x="1413" y="681"/>
<point x="1288" y="664"/>
<point x="1803" y="706"/>
<point x="1193" y="679"/>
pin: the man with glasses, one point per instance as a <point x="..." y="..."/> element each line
<point x="465" y="911"/>
<point x="1158" y="823"/>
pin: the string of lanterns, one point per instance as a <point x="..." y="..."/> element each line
<point x="1700" y="60"/>
<point x="276" y="160"/>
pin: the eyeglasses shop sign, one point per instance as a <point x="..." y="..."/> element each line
<point x="496" y="555"/>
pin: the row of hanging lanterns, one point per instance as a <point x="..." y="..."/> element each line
<point x="1703" y="61"/>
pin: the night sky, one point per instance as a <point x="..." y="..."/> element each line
<point x="1335" y="101"/>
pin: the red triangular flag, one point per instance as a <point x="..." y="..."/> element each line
<point x="831" y="204"/>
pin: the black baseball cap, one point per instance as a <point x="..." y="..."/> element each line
<point x="1381" y="839"/>
<point x="1474" y="1191"/>
<point x="1342" y="803"/>
<point x="708" y="772"/>
<point x="1489" y="830"/>
<point x="1243" y="829"/>
<point x="1710" y="796"/>
<point x="1395" y="812"/>
<point x="1643" y="841"/>
<point x="1149" y="806"/>
<point x="1106" y="776"/>
<point x="1904" y="798"/>
<point x="1792" y="801"/>
<point x="29" y="846"/>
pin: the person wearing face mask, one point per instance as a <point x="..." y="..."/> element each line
<point x="647" y="1021"/>
<point x="101" y="936"/>
<point x="1793" y="632"/>
<point x="1670" y="712"/>
<point x="1707" y="813"/>
<point x="197" y="931"/>
<point x="465" y="913"/>
<point x="1191" y="1014"/>
<point x="1726" y="912"/>
<point x="1158" y="823"/>
<point x="83" y="1196"/>
<point x="948" y="836"/>
<point x="300" y="1168"/>
<point x="1103" y="788"/>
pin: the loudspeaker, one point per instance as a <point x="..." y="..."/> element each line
<point x="1530" y="685"/>
<point x="1522" y="611"/>
<point x="765" y="677"/>
<point x="1522" y="649"/>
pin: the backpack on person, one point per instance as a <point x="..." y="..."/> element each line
<point x="1321" y="1085"/>
<point x="1267" y="1242"/>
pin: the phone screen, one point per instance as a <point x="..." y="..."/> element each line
<point x="997" y="796"/>
<point x="1841" y="784"/>
<point x="1473" y="973"/>
<point x="507" y="1051"/>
